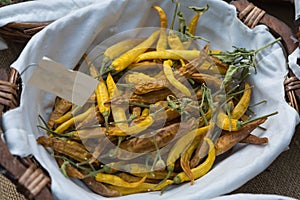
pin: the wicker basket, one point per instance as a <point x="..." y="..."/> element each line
<point x="30" y="179"/>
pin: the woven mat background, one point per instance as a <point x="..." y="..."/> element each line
<point x="282" y="177"/>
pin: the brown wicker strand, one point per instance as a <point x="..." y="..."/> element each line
<point x="26" y="25"/>
<point x="37" y="186"/>
<point x="26" y="174"/>
<point x="245" y="12"/>
<point x="291" y="85"/>
<point x="251" y="15"/>
<point x="34" y="179"/>
<point x="21" y="32"/>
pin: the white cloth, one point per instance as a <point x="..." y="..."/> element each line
<point x="65" y="41"/>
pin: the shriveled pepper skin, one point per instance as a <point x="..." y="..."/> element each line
<point x="69" y="148"/>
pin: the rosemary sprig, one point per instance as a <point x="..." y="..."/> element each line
<point x="239" y="59"/>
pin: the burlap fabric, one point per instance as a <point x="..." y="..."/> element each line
<point x="282" y="177"/>
<point x="8" y="190"/>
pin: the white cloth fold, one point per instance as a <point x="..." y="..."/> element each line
<point x="65" y="41"/>
<point x="38" y="11"/>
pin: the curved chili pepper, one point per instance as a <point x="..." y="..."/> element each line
<point x="64" y="126"/>
<point x="173" y="81"/>
<point x="102" y="96"/>
<point x="202" y="169"/>
<point x="169" y="54"/>
<point x="162" y="41"/>
<point x="144" y="187"/>
<point x="181" y="146"/>
<point x="117" y="49"/>
<point x="225" y="123"/>
<point x="100" y="188"/>
<point x="132" y="130"/>
<point x="229" y="139"/>
<point x="187" y="154"/>
<point x="253" y="139"/>
<point x="242" y="106"/>
<point x="117" y="181"/>
<point x="118" y="112"/>
<point x="130" y="56"/>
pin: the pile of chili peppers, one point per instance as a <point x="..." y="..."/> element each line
<point x="159" y="116"/>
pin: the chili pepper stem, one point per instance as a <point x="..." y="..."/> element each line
<point x="170" y="169"/>
<point x="267" y="45"/>
<point x="105" y="60"/>
<point x="258" y="103"/>
<point x="106" y="115"/>
<point x="67" y="135"/>
<point x="44" y="122"/>
<point x="174" y="14"/>
<point x="109" y="69"/>
<point x="261" y="117"/>
<point x="73" y="163"/>
<point x="63" y="168"/>
<point x="76" y="109"/>
<point x="203" y="116"/>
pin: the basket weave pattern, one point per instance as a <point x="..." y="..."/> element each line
<point x="34" y="179"/>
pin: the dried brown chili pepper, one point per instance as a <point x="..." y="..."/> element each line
<point x="69" y="148"/>
<point x="61" y="106"/>
<point x="229" y="139"/>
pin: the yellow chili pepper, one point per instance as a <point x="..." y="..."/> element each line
<point x="111" y="86"/>
<point x="67" y="115"/>
<point x="145" y="112"/>
<point x="64" y="118"/>
<point x="169" y="54"/>
<point x="118" y="112"/>
<point x="170" y="76"/>
<point x="191" y="29"/>
<point x="67" y="124"/>
<point x="202" y="169"/>
<point x="132" y="130"/>
<point x="193" y="23"/>
<point x="117" y="181"/>
<point x="226" y="123"/>
<point x="162" y="41"/>
<point x="102" y="96"/>
<point x="129" y="167"/>
<point x="187" y="154"/>
<point x="130" y="56"/>
<point x="144" y="187"/>
<point x="181" y="146"/>
<point x="119" y="48"/>
<point x="242" y="106"/>
<point x="158" y="175"/>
